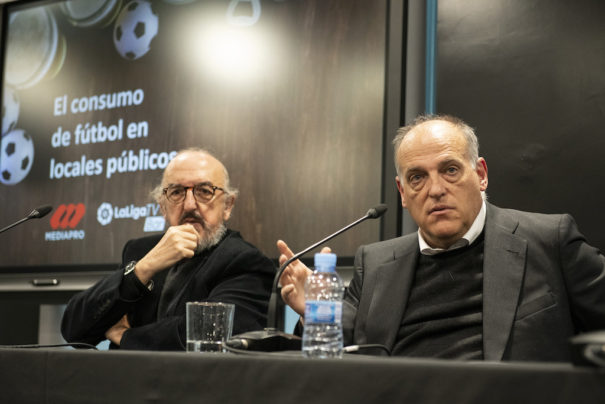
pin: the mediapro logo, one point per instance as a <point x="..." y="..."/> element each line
<point x="67" y="216"/>
<point x="106" y="213"/>
<point x="64" y="221"/>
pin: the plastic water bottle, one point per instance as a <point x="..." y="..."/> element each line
<point x="322" y="336"/>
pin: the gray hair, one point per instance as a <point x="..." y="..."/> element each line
<point x="472" y="144"/>
<point x="156" y="193"/>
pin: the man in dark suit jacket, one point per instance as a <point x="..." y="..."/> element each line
<point x="476" y="281"/>
<point x="142" y="304"/>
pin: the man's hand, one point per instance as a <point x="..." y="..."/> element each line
<point x="293" y="278"/>
<point x="114" y="334"/>
<point x="179" y="242"/>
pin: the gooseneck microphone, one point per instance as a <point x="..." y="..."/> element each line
<point x="35" y="214"/>
<point x="372" y="213"/>
<point x="271" y="338"/>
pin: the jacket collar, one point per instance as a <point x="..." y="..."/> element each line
<point x="385" y="294"/>
<point x="503" y="271"/>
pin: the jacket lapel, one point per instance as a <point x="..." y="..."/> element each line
<point x="503" y="271"/>
<point x="387" y="294"/>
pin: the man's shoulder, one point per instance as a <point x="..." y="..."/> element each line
<point x="523" y="218"/>
<point x="234" y="240"/>
<point x="394" y="245"/>
<point x="233" y="244"/>
<point x="235" y="252"/>
<point x="544" y="228"/>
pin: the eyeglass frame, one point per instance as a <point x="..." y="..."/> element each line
<point x="208" y="184"/>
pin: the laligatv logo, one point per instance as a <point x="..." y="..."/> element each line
<point x="64" y="222"/>
<point x="106" y="213"/>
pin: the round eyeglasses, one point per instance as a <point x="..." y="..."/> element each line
<point x="202" y="193"/>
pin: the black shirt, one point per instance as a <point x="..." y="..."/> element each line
<point x="443" y="316"/>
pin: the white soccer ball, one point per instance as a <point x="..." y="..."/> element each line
<point x="16" y="156"/>
<point x="10" y="110"/>
<point x="134" y="30"/>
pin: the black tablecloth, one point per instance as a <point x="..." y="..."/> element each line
<point x="71" y="376"/>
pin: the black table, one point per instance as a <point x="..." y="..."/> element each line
<point x="77" y="376"/>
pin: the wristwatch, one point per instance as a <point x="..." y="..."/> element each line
<point x="129" y="267"/>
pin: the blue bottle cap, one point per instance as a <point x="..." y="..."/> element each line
<point x="325" y="261"/>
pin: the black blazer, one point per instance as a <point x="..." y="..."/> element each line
<point x="235" y="272"/>
<point x="542" y="283"/>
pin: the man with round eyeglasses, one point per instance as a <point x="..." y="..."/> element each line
<point x="142" y="305"/>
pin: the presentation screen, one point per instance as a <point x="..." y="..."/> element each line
<point x="99" y="95"/>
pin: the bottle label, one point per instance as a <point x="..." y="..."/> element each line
<point x="323" y="312"/>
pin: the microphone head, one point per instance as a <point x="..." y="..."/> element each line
<point x="40" y="212"/>
<point x="377" y="211"/>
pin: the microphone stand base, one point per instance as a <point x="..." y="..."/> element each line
<point x="267" y="340"/>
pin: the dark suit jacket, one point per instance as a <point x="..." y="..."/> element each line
<point x="542" y="283"/>
<point x="234" y="272"/>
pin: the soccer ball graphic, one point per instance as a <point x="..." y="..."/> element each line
<point x="10" y="110"/>
<point x="135" y="28"/>
<point x="16" y="156"/>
